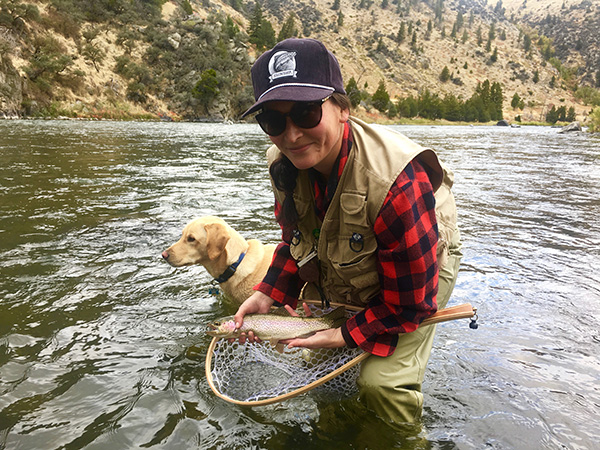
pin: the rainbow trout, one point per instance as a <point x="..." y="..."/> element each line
<point x="277" y="325"/>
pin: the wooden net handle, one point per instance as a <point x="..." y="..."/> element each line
<point x="464" y="311"/>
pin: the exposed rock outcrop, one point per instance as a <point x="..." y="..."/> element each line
<point x="573" y="126"/>
<point x="11" y="90"/>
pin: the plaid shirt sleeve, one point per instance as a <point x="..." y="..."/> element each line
<point x="406" y="233"/>
<point x="282" y="282"/>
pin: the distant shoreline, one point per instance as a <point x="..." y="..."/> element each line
<point x="379" y="121"/>
<point x="367" y="116"/>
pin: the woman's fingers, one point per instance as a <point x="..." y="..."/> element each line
<point x="250" y="337"/>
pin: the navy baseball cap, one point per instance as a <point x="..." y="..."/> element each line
<point x="298" y="70"/>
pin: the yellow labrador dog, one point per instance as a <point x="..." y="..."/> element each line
<point x="235" y="263"/>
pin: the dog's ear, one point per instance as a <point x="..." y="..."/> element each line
<point x="216" y="240"/>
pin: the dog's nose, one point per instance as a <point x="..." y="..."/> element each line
<point x="165" y="254"/>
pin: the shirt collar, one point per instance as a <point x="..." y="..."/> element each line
<point x="325" y="190"/>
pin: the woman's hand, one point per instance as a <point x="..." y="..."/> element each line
<point x="331" y="338"/>
<point x="257" y="303"/>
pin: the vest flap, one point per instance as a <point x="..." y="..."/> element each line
<point x="353" y="202"/>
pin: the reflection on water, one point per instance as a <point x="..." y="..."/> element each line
<point x="102" y="344"/>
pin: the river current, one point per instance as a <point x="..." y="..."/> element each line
<point x="102" y="344"/>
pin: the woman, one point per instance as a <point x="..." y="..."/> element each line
<point x="367" y="219"/>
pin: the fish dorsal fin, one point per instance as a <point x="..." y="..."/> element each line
<point x="281" y="311"/>
<point x="337" y="316"/>
<point x="337" y="313"/>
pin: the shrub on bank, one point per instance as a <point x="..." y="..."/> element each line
<point x="594" y="126"/>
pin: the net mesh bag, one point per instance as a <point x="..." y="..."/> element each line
<point x="257" y="372"/>
<point x="253" y="372"/>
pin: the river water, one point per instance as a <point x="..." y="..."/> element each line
<point x="102" y="344"/>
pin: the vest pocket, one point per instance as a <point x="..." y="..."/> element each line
<point x="353" y="277"/>
<point x="353" y="271"/>
<point x="354" y="205"/>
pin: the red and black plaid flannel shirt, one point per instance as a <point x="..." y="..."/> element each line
<point x="406" y="233"/>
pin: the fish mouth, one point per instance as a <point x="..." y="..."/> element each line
<point x="212" y="329"/>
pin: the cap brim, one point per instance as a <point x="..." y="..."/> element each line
<point x="291" y="93"/>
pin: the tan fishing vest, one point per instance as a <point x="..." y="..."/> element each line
<point x="345" y="242"/>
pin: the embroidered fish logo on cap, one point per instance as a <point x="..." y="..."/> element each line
<point x="282" y="64"/>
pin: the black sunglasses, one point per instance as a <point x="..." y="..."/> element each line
<point x="303" y="114"/>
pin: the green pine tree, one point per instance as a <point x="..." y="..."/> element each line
<point x="255" y="20"/>
<point x="340" y="19"/>
<point x="552" y="115"/>
<point x="187" y="7"/>
<point x="445" y="75"/>
<point x="402" y="34"/>
<point x="353" y="92"/>
<point x="260" y="30"/>
<point x="494" y="56"/>
<point x="465" y="36"/>
<point x="516" y="100"/>
<point x="460" y="21"/>
<point x="492" y="32"/>
<point x="562" y="113"/>
<point x="439" y="11"/>
<point x="496" y="99"/>
<point x="288" y="29"/>
<point x="527" y="42"/>
<point x="381" y="98"/>
<point x="413" y="42"/>
<point x="206" y="88"/>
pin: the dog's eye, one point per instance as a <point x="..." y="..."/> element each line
<point x="191" y="239"/>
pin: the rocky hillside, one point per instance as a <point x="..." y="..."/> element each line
<point x="191" y="59"/>
<point x="573" y="27"/>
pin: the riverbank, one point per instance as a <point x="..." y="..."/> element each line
<point x="128" y="114"/>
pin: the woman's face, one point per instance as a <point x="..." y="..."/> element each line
<point x="316" y="147"/>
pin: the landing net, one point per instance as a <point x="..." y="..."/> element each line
<point x="257" y="374"/>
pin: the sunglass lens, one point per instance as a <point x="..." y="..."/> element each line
<point x="272" y="122"/>
<point x="306" y="115"/>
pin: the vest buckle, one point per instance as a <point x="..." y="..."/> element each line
<point x="357" y="242"/>
<point x="296" y="237"/>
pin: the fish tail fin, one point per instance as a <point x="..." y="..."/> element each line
<point x="337" y="316"/>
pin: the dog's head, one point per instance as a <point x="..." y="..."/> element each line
<point x="202" y="241"/>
